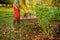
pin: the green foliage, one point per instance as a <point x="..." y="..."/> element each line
<point x="57" y="18"/>
<point x="45" y="15"/>
<point x="7" y="1"/>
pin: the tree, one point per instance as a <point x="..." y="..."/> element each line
<point x="6" y="2"/>
<point x="2" y="1"/>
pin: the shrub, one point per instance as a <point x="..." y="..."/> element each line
<point x="45" y="16"/>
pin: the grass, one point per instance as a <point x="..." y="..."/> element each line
<point x="6" y="19"/>
<point x="6" y="9"/>
<point x="7" y="14"/>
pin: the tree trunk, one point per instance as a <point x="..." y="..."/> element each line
<point x="2" y="5"/>
<point x="6" y="5"/>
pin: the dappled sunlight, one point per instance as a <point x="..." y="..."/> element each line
<point x="38" y="20"/>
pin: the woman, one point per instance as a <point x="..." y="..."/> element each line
<point x="16" y="7"/>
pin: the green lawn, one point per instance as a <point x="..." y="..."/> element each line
<point x="6" y="15"/>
